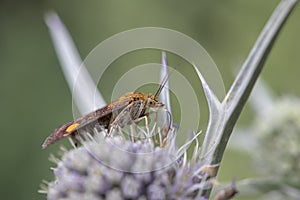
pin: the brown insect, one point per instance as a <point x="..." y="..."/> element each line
<point x="128" y="108"/>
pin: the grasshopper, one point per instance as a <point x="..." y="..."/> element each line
<point x="128" y="108"/>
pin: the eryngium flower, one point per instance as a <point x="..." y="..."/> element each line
<point x="116" y="168"/>
<point x="279" y="132"/>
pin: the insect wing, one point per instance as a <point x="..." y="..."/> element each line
<point x="101" y="115"/>
<point x="56" y="135"/>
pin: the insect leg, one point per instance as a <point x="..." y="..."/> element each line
<point x="144" y="117"/>
<point x="166" y="122"/>
<point x="122" y="118"/>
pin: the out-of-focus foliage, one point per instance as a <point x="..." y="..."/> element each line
<point x="35" y="98"/>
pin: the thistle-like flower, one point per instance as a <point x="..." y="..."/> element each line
<point x="115" y="168"/>
<point x="278" y="131"/>
<point x="276" y="140"/>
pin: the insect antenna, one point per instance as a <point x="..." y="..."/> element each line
<point x="169" y="116"/>
<point x="165" y="80"/>
<point x="162" y="84"/>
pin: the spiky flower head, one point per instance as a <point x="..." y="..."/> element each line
<point x="279" y="131"/>
<point x="117" y="168"/>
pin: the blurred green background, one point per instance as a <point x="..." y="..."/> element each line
<point x="35" y="98"/>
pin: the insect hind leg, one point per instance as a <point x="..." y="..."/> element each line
<point x="144" y="117"/>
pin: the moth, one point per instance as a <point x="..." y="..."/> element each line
<point x="128" y="108"/>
